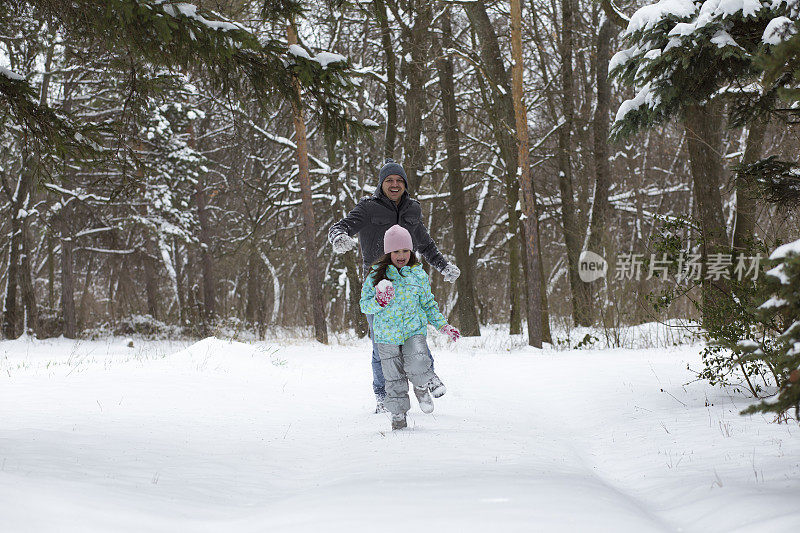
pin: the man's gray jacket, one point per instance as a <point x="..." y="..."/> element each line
<point x="373" y="215"/>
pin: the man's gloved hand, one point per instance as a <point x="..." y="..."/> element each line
<point x="451" y="273"/>
<point x="384" y="292"/>
<point x="451" y="332"/>
<point x="343" y="242"/>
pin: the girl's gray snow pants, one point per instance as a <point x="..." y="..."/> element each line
<point x="400" y="364"/>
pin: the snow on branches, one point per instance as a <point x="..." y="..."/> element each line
<point x="683" y="51"/>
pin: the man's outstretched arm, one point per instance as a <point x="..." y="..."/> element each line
<point x="340" y="233"/>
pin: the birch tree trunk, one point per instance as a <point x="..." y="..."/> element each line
<point x="315" y="300"/>
<point x="467" y="314"/>
<point x="526" y="181"/>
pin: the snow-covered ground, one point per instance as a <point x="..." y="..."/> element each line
<point x="280" y="436"/>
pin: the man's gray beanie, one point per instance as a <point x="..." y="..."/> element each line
<point x="389" y="168"/>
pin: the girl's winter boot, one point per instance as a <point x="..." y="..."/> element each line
<point x="436" y="387"/>
<point x="425" y="399"/>
<point x="399" y="421"/>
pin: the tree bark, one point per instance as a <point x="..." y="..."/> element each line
<point x="176" y="254"/>
<point x="27" y="289"/>
<point x="10" y="307"/>
<point x="503" y="126"/>
<point x="415" y="44"/>
<point x="19" y="200"/>
<point x="526" y="181"/>
<point x="745" y="222"/>
<point x="390" y="138"/>
<point x="87" y="282"/>
<point x="151" y="278"/>
<point x="315" y="300"/>
<point x="703" y="125"/>
<point x="467" y="314"/>
<point x="206" y="259"/>
<point x="581" y="304"/>
<point x="67" y="276"/>
<point x="600" y="126"/>
<point x="51" y="270"/>
<point x="339" y="209"/>
<point x="252" y="304"/>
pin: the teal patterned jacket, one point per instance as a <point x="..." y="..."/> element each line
<point x="409" y="312"/>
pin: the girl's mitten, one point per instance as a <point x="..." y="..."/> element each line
<point x="384" y="292"/>
<point x="451" y="332"/>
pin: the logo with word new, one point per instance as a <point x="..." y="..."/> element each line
<point x="591" y="266"/>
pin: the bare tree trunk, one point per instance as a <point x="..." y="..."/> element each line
<point x="315" y="300"/>
<point x="339" y="208"/>
<point x="745" y="224"/>
<point x="151" y="279"/>
<point x="599" y="216"/>
<point x="18" y="200"/>
<point x="87" y="283"/>
<point x="503" y="125"/>
<point x="67" y="276"/>
<point x="176" y="254"/>
<point x="390" y="138"/>
<point x="10" y="307"/>
<point x="28" y="292"/>
<point x="703" y="125"/>
<point x="51" y="270"/>
<point x="206" y="259"/>
<point x="467" y="315"/>
<point x="526" y="181"/>
<point x="253" y="282"/>
<point x="546" y="334"/>
<point x="600" y="124"/>
<point x="416" y="44"/>
<point x="581" y="304"/>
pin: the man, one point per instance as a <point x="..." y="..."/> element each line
<point x="370" y="219"/>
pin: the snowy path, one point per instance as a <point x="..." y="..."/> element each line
<point x="226" y="436"/>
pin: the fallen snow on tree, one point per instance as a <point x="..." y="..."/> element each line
<point x="644" y="97"/>
<point x="778" y="30"/>
<point x="648" y="16"/>
<point x="784" y="251"/>
<point x="190" y="11"/>
<point x="323" y="58"/>
<point x="10" y="74"/>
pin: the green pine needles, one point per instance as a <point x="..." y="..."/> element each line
<point x="141" y="36"/>
<point x="782" y="351"/>
<point x="689" y="52"/>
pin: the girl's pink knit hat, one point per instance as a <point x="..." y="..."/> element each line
<point x="397" y="238"/>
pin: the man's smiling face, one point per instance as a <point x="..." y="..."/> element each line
<point x="393" y="187"/>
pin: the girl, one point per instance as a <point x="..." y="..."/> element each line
<point x="397" y="292"/>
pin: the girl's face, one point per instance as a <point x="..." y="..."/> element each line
<point x="400" y="258"/>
